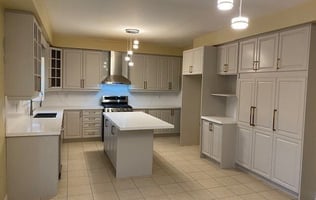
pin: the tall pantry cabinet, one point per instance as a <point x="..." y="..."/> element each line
<point x="22" y="55"/>
<point x="276" y="105"/>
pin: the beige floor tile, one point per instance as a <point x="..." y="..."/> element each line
<point x="76" y="181"/>
<point x="201" y="195"/>
<point x="245" y="178"/>
<point x="163" y="180"/>
<point x="163" y="197"/>
<point x="102" y="187"/>
<point x="172" y="188"/>
<point x="129" y="194"/>
<point x="123" y="184"/>
<point x="180" y="196"/>
<point x="221" y="192"/>
<point x="78" y="173"/>
<point x="181" y="177"/>
<point x="230" y="198"/>
<point x="151" y="191"/>
<point x="79" y="190"/>
<point x="209" y="183"/>
<point x="144" y="182"/>
<point x="81" y="197"/>
<point x="253" y="196"/>
<point x="99" y="178"/>
<point x="227" y="181"/>
<point x="258" y="186"/>
<point x="239" y="189"/>
<point x="275" y="195"/>
<point x="105" y="196"/>
<point x="215" y="173"/>
<point x="199" y="175"/>
<point x="191" y="186"/>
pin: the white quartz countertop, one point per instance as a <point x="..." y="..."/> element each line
<point x="157" y="107"/>
<point x="219" y="120"/>
<point x="73" y="107"/>
<point x="20" y="125"/>
<point x="128" y="121"/>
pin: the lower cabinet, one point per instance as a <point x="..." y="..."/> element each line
<point x="244" y="146"/>
<point x="171" y="116"/>
<point x="218" y="142"/>
<point x="82" y="123"/>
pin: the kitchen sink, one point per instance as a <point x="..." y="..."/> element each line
<point x="45" y="115"/>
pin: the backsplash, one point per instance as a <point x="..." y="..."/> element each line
<point x="74" y="98"/>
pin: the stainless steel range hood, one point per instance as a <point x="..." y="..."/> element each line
<point x="115" y="74"/>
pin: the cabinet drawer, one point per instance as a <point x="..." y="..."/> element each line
<point x="92" y="112"/>
<point x="91" y="119"/>
<point x="91" y="125"/>
<point x="91" y="132"/>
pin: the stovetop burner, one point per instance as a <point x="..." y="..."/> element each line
<point x="116" y="104"/>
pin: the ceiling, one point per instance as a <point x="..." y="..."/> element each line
<point x="172" y="22"/>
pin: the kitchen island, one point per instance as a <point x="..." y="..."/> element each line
<point x="128" y="141"/>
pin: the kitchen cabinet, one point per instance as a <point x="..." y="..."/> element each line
<point x="73" y="124"/>
<point x="294" y="47"/>
<point x="55" y="68"/>
<point x="155" y="73"/>
<point x="193" y="61"/>
<point x="244" y="146"/>
<point x="259" y="54"/>
<point x="82" y="69"/>
<point x="227" y="59"/>
<point x="217" y="142"/>
<point x="23" y="49"/>
<point x="82" y="123"/>
<point x="286" y="162"/>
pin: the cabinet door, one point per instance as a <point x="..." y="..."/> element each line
<point x="198" y="60"/>
<point x="262" y="152"/>
<point x="216" y="152"/>
<point x="176" y="116"/>
<point x="137" y="72"/>
<point x="232" y="58"/>
<point x="72" y="124"/>
<point x="245" y="100"/>
<point x="221" y="60"/>
<point x="92" y="63"/>
<point x="206" y="138"/>
<point x="187" y="62"/>
<point x="294" y="49"/>
<point x="267" y="54"/>
<point x="174" y="73"/>
<point x="264" y="103"/>
<point x="151" y="77"/>
<point x="163" y="73"/>
<point x="286" y="162"/>
<point x="247" y="55"/>
<point x="290" y="106"/>
<point x="244" y="146"/>
<point x="72" y="68"/>
<point x="106" y="134"/>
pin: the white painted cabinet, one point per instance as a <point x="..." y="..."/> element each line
<point x="259" y="54"/>
<point x="227" y="59"/>
<point x="245" y="100"/>
<point x="218" y="142"/>
<point x="244" y="146"/>
<point x="55" y="68"/>
<point x="193" y="61"/>
<point x="82" y="69"/>
<point x="23" y="51"/>
<point x="286" y="162"/>
<point x="294" y="47"/>
<point x="155" y="73"/>
<point x="73" y="124"/>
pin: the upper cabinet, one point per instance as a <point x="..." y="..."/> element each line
<point x="282" y="51"/>
<point x="227" y="59"/>
<point x="193" y="61"/>
<point x="23" y="51"/>
<point x="55" y="68"/>
<point x="82" y="69"/>
<point x="155" y="73"/>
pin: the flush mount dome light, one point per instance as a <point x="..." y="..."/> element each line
<point x="225" y="4"/>
<point x="239" y="23"/>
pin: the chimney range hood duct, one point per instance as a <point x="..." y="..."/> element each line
<point x="114" y="72"/>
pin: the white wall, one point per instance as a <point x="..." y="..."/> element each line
<point x="76" y="98"/>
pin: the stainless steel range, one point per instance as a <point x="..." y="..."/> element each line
<point x="114" y="104"/>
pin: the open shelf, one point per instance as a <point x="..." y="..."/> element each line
<point x="223" y="95"/>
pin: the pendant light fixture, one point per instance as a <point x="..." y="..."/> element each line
<point x="132" y="43"/>
<point x="225" y="4"/>
<point x="240" y="22"/>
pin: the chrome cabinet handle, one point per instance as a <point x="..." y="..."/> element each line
<point x="273" y="125"/>
<point x="190" y="69"/>
<point x="210" y="126"/>
<point x="250" y="116"/>
<point x="278" y="63"/>
<point x="253" y="115"/>
<point x="112" y="132"/>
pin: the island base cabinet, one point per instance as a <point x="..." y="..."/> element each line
<point x="32" y="167"/>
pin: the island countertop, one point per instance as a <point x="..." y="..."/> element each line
<point x="128" y="121"/>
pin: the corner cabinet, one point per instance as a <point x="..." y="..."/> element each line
<point x="227" y="59"/>
<point x="82" y="69"/>
<point x="22" y="55"/>
<point x="193" y="61"/>
<point x="155" y="73"/>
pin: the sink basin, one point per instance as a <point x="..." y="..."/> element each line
<point x="45" y="115"/>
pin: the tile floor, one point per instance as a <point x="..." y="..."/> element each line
<point x="178" y="173"/>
